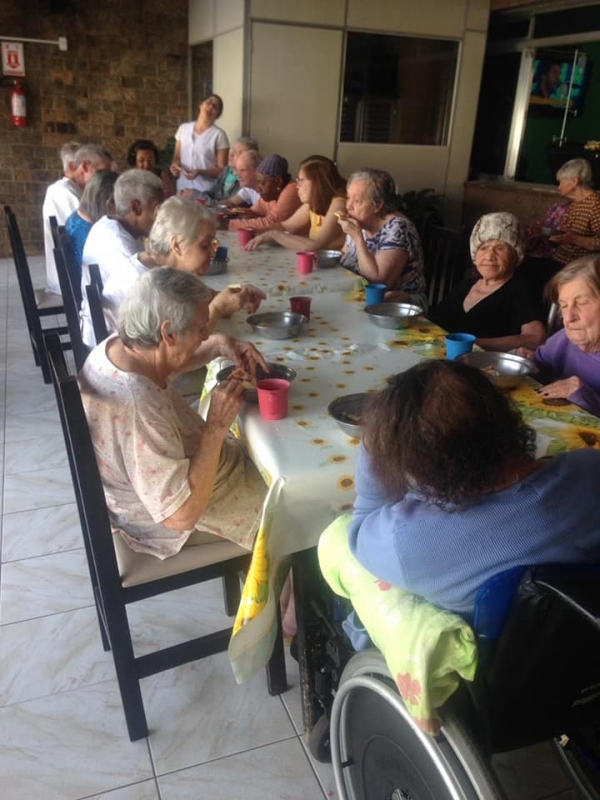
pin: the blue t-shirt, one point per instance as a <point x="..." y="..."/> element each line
<point x="78" y="229"/>
<point x="445" y="555"/>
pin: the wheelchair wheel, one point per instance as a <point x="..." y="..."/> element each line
<point x="378" y="752"/>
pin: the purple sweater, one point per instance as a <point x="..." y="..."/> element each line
<point x="558" y="358"/>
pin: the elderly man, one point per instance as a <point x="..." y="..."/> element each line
<point x="278" y="196"/>
<point x="245" y="167"/>
<point x="113" y="240"/>
<point x="63" y="196"/>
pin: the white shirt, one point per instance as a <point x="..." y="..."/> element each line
<point x="249" y="195"/>
<point x="110" y="246"/>
<point x="62" y="198"/>
<point x="199" y="151"/>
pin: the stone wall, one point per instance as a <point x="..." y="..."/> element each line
<point x="124" y="76"/>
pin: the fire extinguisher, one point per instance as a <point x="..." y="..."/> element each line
<point x="18" y="106"/>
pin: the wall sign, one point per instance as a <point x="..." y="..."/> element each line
<point x="13" y="59"/>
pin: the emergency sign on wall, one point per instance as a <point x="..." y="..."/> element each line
<point x="13" y="59"/>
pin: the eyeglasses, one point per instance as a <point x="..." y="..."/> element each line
<point x="301" y="180"/>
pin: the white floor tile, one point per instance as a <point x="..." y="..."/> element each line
<point x="68" y="746"/>
<point x="197" y="713"/>
<point x="24" y="491"/>
<point x="32" y="455"/>
<point x="52" y="654"/>
<point x="46" y="585"/>
<point x="147" y="790"/>
<point x="277" y="772"/>
<point x="19" y="428"/>
<point x="41" y="532"/>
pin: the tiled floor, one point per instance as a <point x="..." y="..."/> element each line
<point x="62" y="731"/>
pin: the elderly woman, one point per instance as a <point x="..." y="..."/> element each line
<point x="201" y="149"/>
<point x="449" y="491"/>
<point x="278" y="196"/>
<point x="170" y="478"/>
<point x="96" y="201"/>
<point x="569" y="361"/>
<point x="502" y="310"/>
<point x="382" y="244"/>
<point x="227" y="184"/>
<point x="314" y="226"/>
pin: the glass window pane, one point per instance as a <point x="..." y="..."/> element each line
<point x="397" y="89"/>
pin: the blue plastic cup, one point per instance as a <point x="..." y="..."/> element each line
<point x="221" y="254"/>
<point x="457" y="344"/>
<point x="374" y="293"/>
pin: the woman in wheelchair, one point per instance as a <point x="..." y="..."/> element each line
<point x="450" y="494"/>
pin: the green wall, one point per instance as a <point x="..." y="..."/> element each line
<point x="542" y="125"/>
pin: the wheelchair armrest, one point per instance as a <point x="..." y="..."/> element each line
<point x="579" y="589"/>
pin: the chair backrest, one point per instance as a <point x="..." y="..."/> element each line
<point x="54" y="230"/>
<point x="554" y="321"/>
<point x="94" y="297"/>
<point x="96" y="277"/>
<point x="73" y="268"/>
<point x="80" y="351"/>
<point x="445" y="265"/>
<point x="23" y="276"/>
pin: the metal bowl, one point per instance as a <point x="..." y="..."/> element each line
<point x="275" y="371"/>
<point x="328" y="258"/>
<point x="393" y="315"/>
<point x="277" y="324"/>
<point x="347" y="412"/>
<point x="504" y="369"/>
<point x="217" y="267"/>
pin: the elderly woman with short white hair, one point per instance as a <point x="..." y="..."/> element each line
<point x="170" y="478"/>
<point x="498" y="307"/>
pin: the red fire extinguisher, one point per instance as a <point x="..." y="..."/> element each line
<point x="18" y="106"/>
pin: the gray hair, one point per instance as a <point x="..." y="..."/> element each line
<point x="381" y="188"/>
<point x="91" y="152"/>
<point x="254" y="157"/>
<point x="67" y="154"/>
<point x="578" y="168"/>
<point x="98" y="192"/>
<point x="161" y="295"/>
<point x="587" y="268"/>
<point x="248" y="142"/>
<point x="136" y="184"/>
<point x="177" y="217"/>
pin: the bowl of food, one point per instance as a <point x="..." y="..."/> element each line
<point x="217" y="267"/>
<point x="393" y="315"/>
<point x="277" y="324"/>
<point x="327" y="258"/>
<point x="250" y="394"/>
<point x="504" y="369"/>
<point x="347" y="411"/>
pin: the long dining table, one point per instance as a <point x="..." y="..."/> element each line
<point x="305" y="459"/>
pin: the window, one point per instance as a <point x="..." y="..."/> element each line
<point x="397" y="89"/>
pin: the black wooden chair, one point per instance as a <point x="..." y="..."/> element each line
<point x="71" y="290"/>
<point x="94" y="298"/>
<point x="120" y="576"/>
<point x="37" y="303"/>
<point x="445" y="261"/>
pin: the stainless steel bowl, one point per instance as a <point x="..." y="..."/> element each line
<point x="393" y="315"/>
<point x="217" y="267"/>
<point x="277" y="324"/>
<point x="347" y="412"/>
<point x="275" y="371"/>
<point x="328" y="258"/>
<point x="504" y="369"/>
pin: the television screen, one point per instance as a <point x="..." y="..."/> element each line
<point x="550" y="85"/>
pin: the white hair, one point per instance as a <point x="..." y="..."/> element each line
<point x="578" y="168"/>
<point x="136" y="184"/>
<point x="161" y="295"/>
<point x="91" y="152"/>
<point x="67" y="154"/>
<point x="177" y="217"/>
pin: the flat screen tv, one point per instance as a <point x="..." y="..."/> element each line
<point x="550" y="85"/>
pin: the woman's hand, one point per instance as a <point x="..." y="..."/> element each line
<point x="350" y="227"/>
<point x="562" y="388"/>
<point x="244" y="354"/>
<point x="233" y="298"/>
<point x="255" y="243"/>
<point x="175" y="169"/>
<point x="524" y="352"/>
<point x="190" y="174"/>
<point x="225" y="403"/>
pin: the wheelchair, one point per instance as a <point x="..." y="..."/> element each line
<point x="538" y="679"/>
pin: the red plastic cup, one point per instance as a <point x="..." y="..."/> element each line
<point x="273" y="398"/>
<point x="306" y="262"/>
<point x="244" y="236"/>
<point x="300" y="305"/>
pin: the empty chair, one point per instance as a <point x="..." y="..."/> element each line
<point x="445" y="263"/>
<point x="36" y="303"/>
<point x="121" y="576"/>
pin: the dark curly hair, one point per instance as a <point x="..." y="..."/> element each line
<point x="443" y="429"/>
<point x="142" y="144"/>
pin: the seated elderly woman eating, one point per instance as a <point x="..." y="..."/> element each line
<point x="382" y="245"/>
<point x="314" y="226"/>
<point x="278" y="196"/>
<point x="501" y="309"/>
<point x="569" y="361"/>
<point x="170" y="478"/>
<point x="450" y="492"/>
